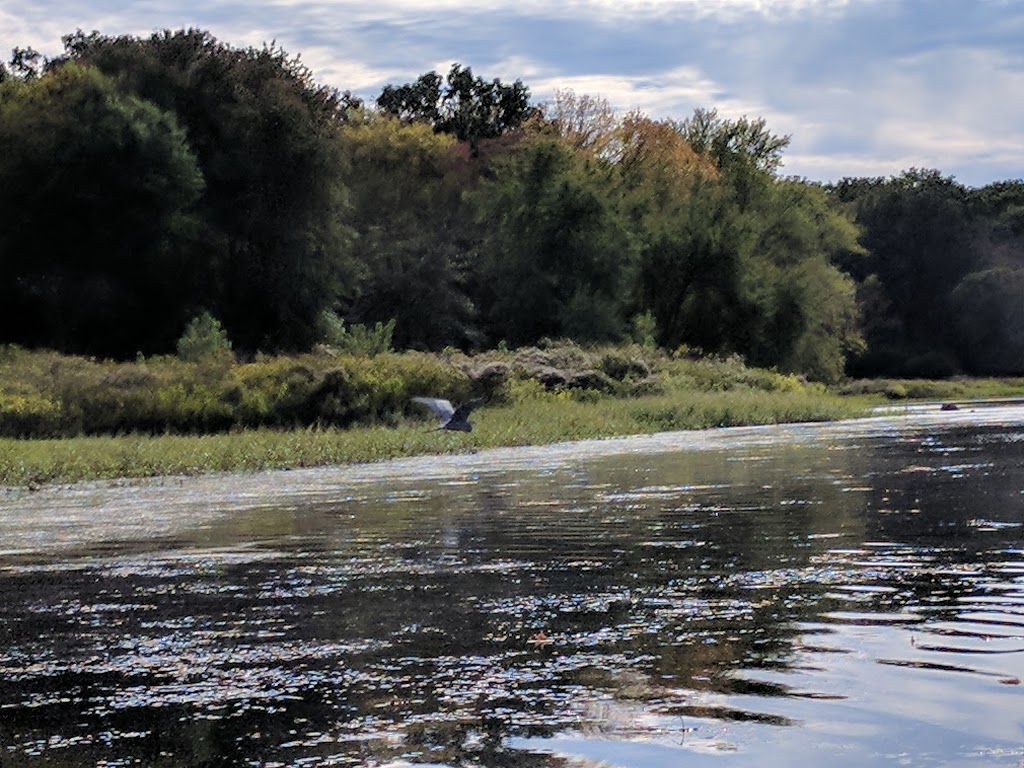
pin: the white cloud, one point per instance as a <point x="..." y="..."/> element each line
<point x="862" y="86"/>
<point x="362" y="10"/>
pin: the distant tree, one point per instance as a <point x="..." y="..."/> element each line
<point x="655" y="167"/>
<point x="744" y="150"/>
<point x="755" y="279"/>
<point x="266" y="138"/>
<point x="555" y="257"/>
<point x="805" y="317"/>
<point x="587" y="123"/>
<point x="690" y="272"/>
<point x="413" y="230"/>
<point x="27" y="63"/>
<point x="469" y="108"/>
<point x="987" y="311"/>
<point x="732" y="142"/>
<point x="204" y="339"/>
<point x="920" y="238"/>
<point x="97" y="240"/>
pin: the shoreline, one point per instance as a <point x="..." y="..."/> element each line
<point x="33" y="464"/>
<point x="369" y="468"/>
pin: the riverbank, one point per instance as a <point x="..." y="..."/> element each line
<point x="67" y="419"/>
<point x="532" y="421"/>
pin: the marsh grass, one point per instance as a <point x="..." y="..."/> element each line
<point x="535" y="418"/>
<point x="71" y="418"/>
<point x="936" y="389"/>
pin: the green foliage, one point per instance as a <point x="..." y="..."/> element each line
<point x="743" y="141"/>
<point x="644" y="329"/>
<point x="96" y="241"/>
<point x="204" y="339"/>
<point x="265" y="135"/>
<point x="920" y="242"/>
<point x="413" y="231"/>
<point x="555" y="254"/>
<point x="356" y="339"/>
<point x="468" y="108"/>
<point x="988" y="307"/>
<point x="43" y="394"/>
<point x="29" y="415"/>
<point x="145" y="179"/>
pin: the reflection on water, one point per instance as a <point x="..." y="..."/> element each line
<point x="846" y="594"/>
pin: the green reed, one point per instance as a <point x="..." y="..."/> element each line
<point x="535" y="417"/>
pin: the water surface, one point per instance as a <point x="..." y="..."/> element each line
<point x="846" y="595"/>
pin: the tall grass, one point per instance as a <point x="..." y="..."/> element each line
<point x="66" y="418"/>
<point x="534" y="418"/>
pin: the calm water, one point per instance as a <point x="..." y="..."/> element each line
<point x="842" y="595"/>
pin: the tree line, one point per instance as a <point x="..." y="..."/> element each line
<point x="145" y="181"/>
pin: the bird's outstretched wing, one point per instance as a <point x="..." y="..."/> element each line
<point x="441" y="408"/>
<point x="463" y="411"/>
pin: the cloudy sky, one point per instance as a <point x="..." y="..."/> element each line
<point x="863" y="87"/>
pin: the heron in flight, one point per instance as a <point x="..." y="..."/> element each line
<point x="451" y="418"/>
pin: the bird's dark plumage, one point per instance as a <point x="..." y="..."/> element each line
<point x="451" y="418"/>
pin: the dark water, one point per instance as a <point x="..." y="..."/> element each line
<point x="842" y="595"/>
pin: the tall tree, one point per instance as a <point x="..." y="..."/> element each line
<point x="988" y="318"/>
<point x="266" y="138"/>
<point x="97" y="240"/>
<point x="742" y="262"/>
<point x="920" y="236"/>
<point x="587" y="123"/>
<point x="731" y="142"/>
<point x="555" y="257"/>
<point x="413" y="231"/>
<point x="691" y="266"/>
<point x="470" y="108"/>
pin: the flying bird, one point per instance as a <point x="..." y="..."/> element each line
<point x="451" y="418"/>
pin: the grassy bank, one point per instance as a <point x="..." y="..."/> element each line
<point x="535" y="420"/>
<point x="65" y="419"/>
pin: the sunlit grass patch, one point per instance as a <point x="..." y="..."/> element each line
<point x="540" y="418"/>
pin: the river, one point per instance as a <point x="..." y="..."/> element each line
<point x="847" y="594"/>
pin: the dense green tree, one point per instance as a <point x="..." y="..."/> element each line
<point x="920" y="241"/>
<point x="555" y="257"/>
<point x="413" y="231"/>
<point x="690" y="271"/>
<point x="97" y="238"/>
<point x="469" y="108"/>
<point x="266" y="138"/>
<point x="734" y="259"/>
<point x="987" y="310"/>
<point x="804" y="314"/>
<point x="998" y="210"/>
<point x="744" y="150"/>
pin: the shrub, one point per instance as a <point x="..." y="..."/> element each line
<point x="620" y="365"/>
<point x="644" y="330"/>
<point x="30" y="415"/>
<point x="356" y="339"/>
<point x="204" y="338"/>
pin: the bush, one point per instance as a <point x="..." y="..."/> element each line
<point x="356" y="339"/>
<point x="30" y="415"/>
<point x="204" y="339"/>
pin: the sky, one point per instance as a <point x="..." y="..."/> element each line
<point x="862" y="87"/>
